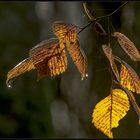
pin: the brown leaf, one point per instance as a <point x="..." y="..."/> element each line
<point x="129" y="78"/>
<point x="108" y="52"/>
<point x="66" y="32"/>
<point x="99" y="29"/>
<point x="128" y="46"/>
<point x="49" y="58"/>
<point x="87" y="11"/>
<point x="22" y="67"/>
<point x="79" y="57"/>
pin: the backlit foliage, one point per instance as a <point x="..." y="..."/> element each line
<point x="128" y="46"/>
<point x="49" y="59"/>
<point x="129" y="78"/>
<point x="109" y="111"/>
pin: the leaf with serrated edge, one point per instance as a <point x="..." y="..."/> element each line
<point x="128" y="46"/>
<point x="109" y="111"/>
<point x="49" y="58"/>
<point x="79" y="57"/>
<point x="129" y="78"/>
<point x="66" y="32"/>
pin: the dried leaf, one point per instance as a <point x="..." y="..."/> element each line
<point x="99" y="29"/>
<point x="129" y="78"/>
<point x="108" y="52"/>
<point x="128" y="46"/>
<point x="110" y="111"/>
<point x="87" y="11"/>
<point x="79" y="57"/>
<point x="22" y="67"/>
<point x="97" y="26"/>
<point x="66" y="32"/>
<point x="49" y="58"/>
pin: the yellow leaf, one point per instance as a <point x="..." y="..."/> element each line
<point x="79" y="57"/>
<point x="66" y="32"/>
<point x="128" y="46"/>
<point x="22" y="67"/>
<point x="109" y="111"/>
<point x="129" y="78"/>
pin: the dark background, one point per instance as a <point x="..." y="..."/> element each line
<point x="61" y="106"/>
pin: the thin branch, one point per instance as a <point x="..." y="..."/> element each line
<point x="101" y="17"/>
<point x="89" y="23"/>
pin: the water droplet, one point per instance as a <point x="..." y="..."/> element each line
<point x="9" y="86"/>
<point x="82" y="78"/>
<point x="8" y="83"/>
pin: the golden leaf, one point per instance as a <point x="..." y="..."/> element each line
<point x="110" y="111"/>
<point x="129" y="78"/>
<point x="128" y="46"/>
<point x="108" y="52"/>
<point x="22" y="67"/>
<point x="66" y="32"/>
<point x="79" y="57"/>
<point x="49" y="58"/>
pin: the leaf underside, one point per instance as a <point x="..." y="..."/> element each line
<point x="22" y="67"/>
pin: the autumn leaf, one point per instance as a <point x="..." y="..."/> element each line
<point x="109" y="111"/>
<point x="87" y="11"/>
<point x="97" y="26"/>
<point x="79" y="57"/>
<point x="128" y="46"/>
<point x="99" y="29"/>
<point x="22" y="67"/>
<point x="129" y="78"/>
<point x="66" y="32"/>
<point x="108" y="52"/>
<point x="49" y="58"/>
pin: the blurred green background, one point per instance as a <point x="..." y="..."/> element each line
<point x="61" y="107"/>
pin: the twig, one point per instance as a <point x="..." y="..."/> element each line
<point x="101" y="17"/>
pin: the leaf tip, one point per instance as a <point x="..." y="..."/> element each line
<point x="8" y="83"/>
<point x="83" y="76"/>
